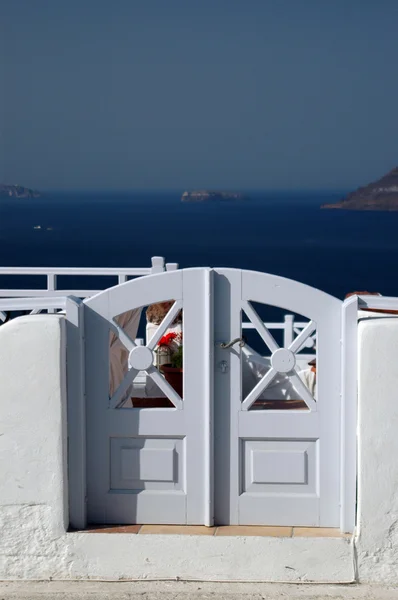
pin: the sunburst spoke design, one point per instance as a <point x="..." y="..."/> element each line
<point x="281" y="365"/>
<point x="142" y="362"/>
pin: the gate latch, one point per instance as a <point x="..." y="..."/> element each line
<point x="242" y="342"/>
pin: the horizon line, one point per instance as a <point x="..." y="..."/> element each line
<point x="181" y="190"/>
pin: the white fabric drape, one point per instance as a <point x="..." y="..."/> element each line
<point x="129" y="322"/>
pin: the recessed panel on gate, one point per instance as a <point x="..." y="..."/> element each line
<point x="279" y="466"/>
<point x="146" y="464"/>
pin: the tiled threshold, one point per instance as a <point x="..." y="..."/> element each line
<point x="227" y="530"/>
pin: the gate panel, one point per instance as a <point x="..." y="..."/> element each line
<point x="286" y="462"/>
<point x="148" y="465"/>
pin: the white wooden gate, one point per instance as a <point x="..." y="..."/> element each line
<point x="212" y="458"/>
<point x="149" y="465"/>
<point x="276" y="467"/>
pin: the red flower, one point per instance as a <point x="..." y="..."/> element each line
<point x="167" y="339"/>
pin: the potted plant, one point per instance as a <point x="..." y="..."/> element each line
<point x="164" y="349"/>
<point x="173" y="371"/>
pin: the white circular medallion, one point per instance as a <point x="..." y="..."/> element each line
<point x="283" y="360"/>
<point x="141" y="358"/>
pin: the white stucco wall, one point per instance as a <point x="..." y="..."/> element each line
<point x="33" y="507"/>
<point x="377" y="539"/>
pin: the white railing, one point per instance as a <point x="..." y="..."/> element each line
<point x="39" y="300"/>
<point x="41" y="296"/>
<point x="51" y="274"/>
<point x="31" y="305"/>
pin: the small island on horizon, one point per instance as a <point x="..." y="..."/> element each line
<point x="210" y="196"/>
<point x="378" y="195"/>
<point x="18" y="191"/>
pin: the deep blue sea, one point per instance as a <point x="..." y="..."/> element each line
<point x="282" y="233"/>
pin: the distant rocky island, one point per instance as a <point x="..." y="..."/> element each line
<point x="210" y="196"/>
<point x="379" y="195"/>
<point x="17" y="191"/>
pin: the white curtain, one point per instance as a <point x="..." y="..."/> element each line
<point x="129" y="322"/>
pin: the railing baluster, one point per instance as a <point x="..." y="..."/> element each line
<point x="288" y="334"/>
<point x="157" y="264"/>
<point x="51" y="287"/>
<point x="172" y="266"/>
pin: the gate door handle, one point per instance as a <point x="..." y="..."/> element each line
<point x="242" y="342"/>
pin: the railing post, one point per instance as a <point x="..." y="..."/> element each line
<point x="172" y="266"/>
<point x="51" y="287"/>
<point x="76" y="413"/>
<point x="288" y="332"/>
<point x="157" y="264"/>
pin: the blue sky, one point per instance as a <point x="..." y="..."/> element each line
<point x="174" y="94"/>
